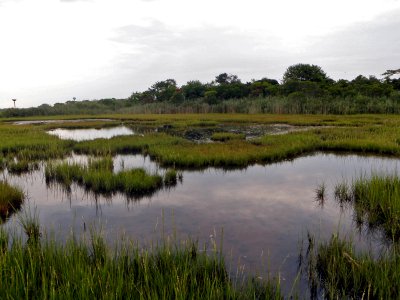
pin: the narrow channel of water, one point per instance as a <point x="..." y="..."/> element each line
<point x="264" y="211"/>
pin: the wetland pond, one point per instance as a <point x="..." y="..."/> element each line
<point x="90" y="133"/>
<point x="264" y="211"/>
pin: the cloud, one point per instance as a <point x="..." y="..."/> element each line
<point x="364" y="48"/>
<point x="198" y="53"/>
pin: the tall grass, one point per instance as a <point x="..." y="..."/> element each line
<point x="272" y="105"/>
<point x="88" y="269"/>
<point x="340" y="272"/>
<point x="376" y="202"/>
<point x="11" y="199"/>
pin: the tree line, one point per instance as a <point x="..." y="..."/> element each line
<point x="299" y="81"/>
<point x="302" y="85"/>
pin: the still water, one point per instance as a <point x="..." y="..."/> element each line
<point x="264" y="211"/>
<point x="91" y="133"/>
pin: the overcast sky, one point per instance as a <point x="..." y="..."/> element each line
<point x="53" y="50"/>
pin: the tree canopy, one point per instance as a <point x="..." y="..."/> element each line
<point x="305" y="72"/>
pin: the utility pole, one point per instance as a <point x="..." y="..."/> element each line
<point x="14" y="101"/>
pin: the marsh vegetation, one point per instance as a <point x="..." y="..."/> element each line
<point x="249" y="190"/>
<point x="87" y="268"/>
<point x="11" y="199"/>
<point x="98" y="177"/>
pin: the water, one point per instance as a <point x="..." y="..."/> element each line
<point x="39" y="122"/>
<point x="264" y="211"/>
<point x="91" y="133"/>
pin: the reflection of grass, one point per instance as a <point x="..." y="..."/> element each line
<point x="89" y="269"/>
<point x="376" y="202"/>
<point x="227" y="136"/>
<point x="11" y="199"/>
<point x="342" y="273"/>
<point x="98" y="177"/>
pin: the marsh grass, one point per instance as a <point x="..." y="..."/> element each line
<point x="320" y="193"/>
<point x="171" y="177"/>
<point x="373" y="134"/>
<point x="11" y="199"/>
<point x="376" y="202"/>
<point x="340" y="272"/>
<point x="30" y="143"/>
<point x="86" y="268"/>
<point x="102" y="164"/>
<point x="99" y="178"/>
<point x="227" y="136"/>
<point x="29" y="222"/>
<point x="22" y="166"/>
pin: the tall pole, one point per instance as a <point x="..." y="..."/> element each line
<point x="14" y="101"/>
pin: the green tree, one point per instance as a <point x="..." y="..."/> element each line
<point x="305" y="72"/>
<point x="163" y="90"/>
<point x="226" y="78"/>
<point x="211" y="96"/>
<point x="390" y="73"/>
<point x="194" y="89"/>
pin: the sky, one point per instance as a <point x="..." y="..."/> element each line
<point x="54" y="50"/>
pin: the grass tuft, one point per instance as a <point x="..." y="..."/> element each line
<point x="376" y="202"/>
<point x="22" y="166"/>
<point x="98" y="177"/>
<point x="11" y="199"/>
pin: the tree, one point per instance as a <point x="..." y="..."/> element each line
<point x="226" y="78"/>
<point x="163" y="90"/>
<point x="390" y="73"/>
<point x="305" y="72"/>
<point x="267" y="80"/>
<point x="194" y="89"/>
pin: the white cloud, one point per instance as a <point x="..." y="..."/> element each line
<point x="102" y="48"/>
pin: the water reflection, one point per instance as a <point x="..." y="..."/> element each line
<point x="264" y="211"/>
<point x="91" y="133"/>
